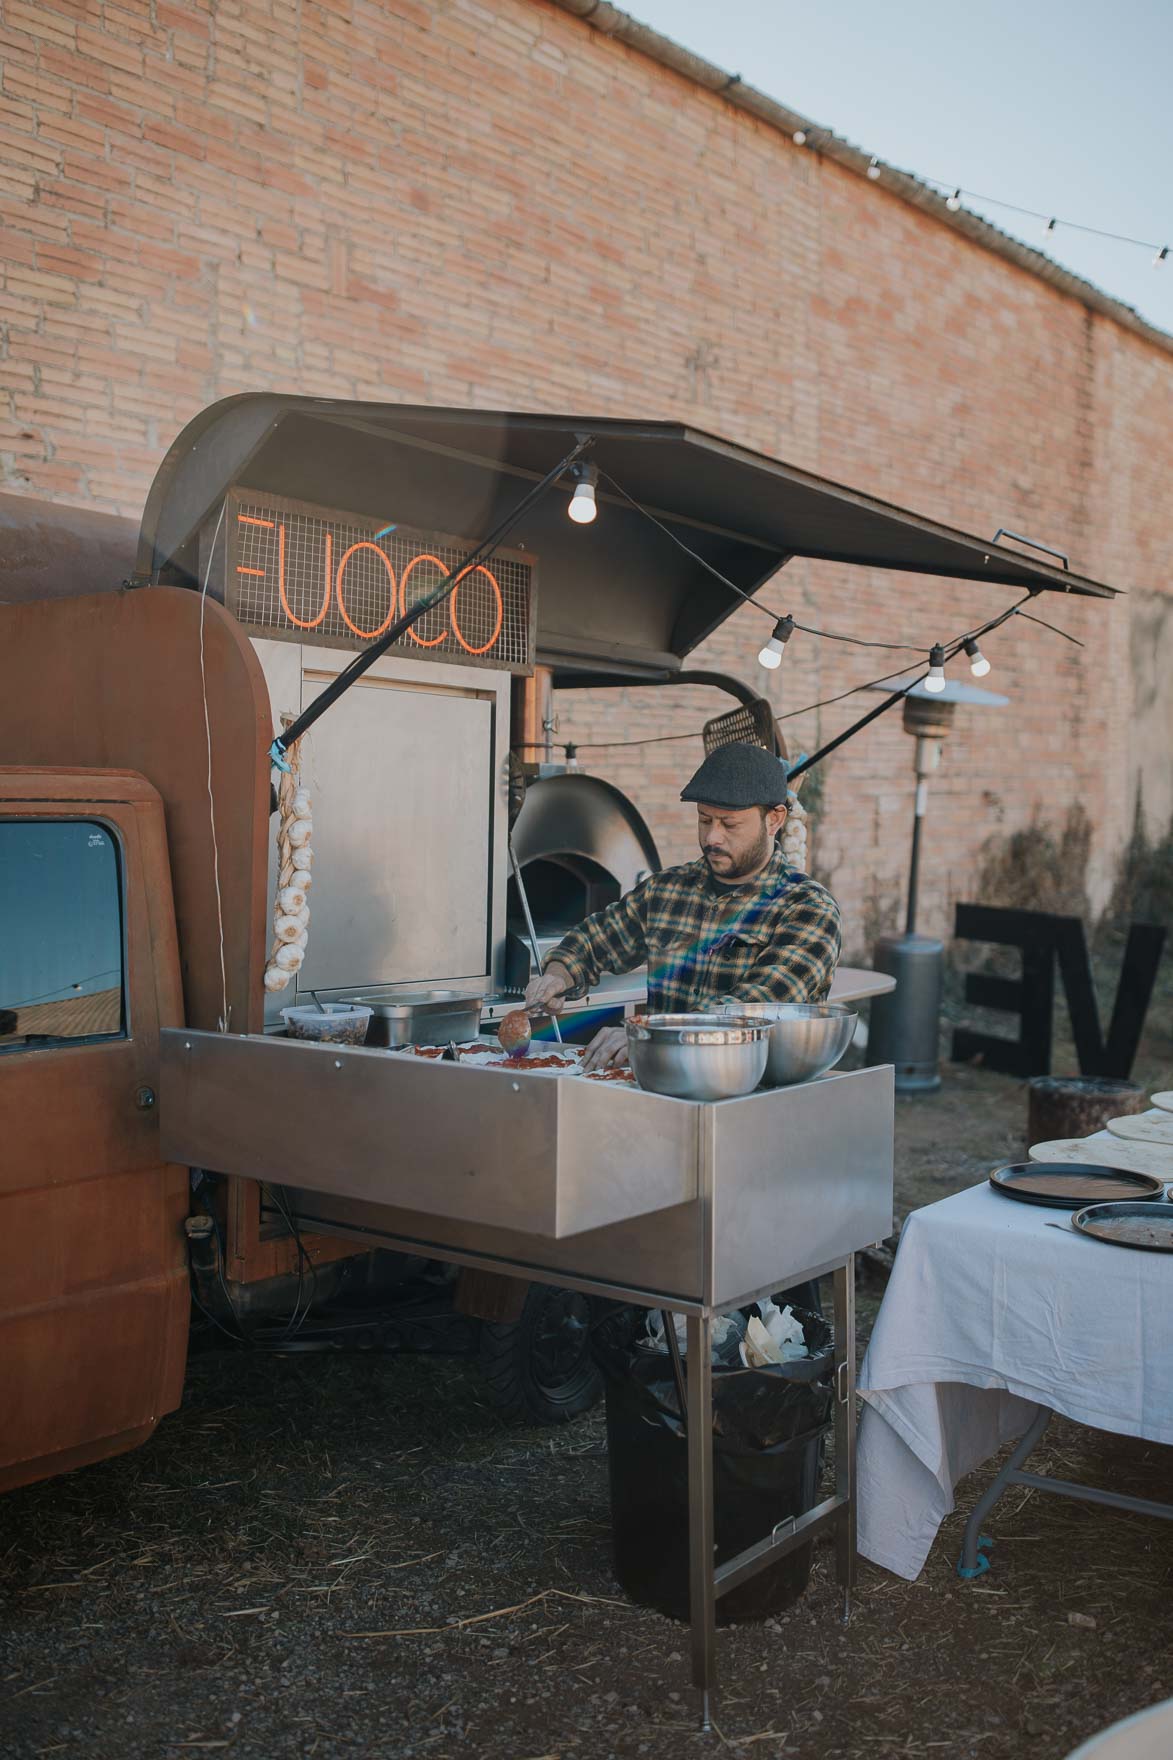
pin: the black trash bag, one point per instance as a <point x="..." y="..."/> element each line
<point x="768" y="1428"/>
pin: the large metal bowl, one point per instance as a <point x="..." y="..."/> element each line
<point x="806" y="1038"/>
<point x="698" y="1056"/>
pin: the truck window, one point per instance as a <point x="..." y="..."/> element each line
<point x="61" y="934"/>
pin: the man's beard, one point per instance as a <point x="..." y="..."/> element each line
<point x="749" y="863"/>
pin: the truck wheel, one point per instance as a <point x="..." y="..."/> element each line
<point x="539" y="1369"/>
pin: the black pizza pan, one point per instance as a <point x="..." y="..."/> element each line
<point x="1144" y="1226"/>
<point x="1073" y="1185"/>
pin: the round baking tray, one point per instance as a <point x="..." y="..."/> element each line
<point x="1146" y="1227"/>
<point x="1073" y="1185"/>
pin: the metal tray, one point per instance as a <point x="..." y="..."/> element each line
<point x="1148" y="1227"/>
<point x="421" y="1017"/>
<point x="1072" y="1185"/>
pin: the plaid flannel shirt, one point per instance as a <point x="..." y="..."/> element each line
<point x="775" y="938"/>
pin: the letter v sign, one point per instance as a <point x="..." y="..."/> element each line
<point x="1142" y="955"/>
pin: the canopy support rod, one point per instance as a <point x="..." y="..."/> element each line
<point x="367" y="656"/>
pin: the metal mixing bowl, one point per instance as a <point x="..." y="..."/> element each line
<point x="698" y="1056"/>
<point x="806" y="1038"/>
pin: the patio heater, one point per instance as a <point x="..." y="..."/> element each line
<point x="904" y="1024"/>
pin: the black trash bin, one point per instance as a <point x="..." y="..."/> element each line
<point x="768" y="1427"/>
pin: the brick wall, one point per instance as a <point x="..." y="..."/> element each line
<point x="438" y="200"/>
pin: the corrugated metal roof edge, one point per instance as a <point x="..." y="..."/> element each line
<point x="611" y="22"/>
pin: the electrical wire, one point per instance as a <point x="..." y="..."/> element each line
<point x="226" y="1012"/>
<point x="952" y="649"/>
<point x="1052" y="220"/>
<point x="825" y="635"/>
<point x="828" y="635"/>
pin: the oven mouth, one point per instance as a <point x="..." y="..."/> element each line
<point x="562" y="890"/>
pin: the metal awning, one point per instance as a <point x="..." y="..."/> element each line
<point x="616" y="597"/>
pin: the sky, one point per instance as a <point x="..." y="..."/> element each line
<point x="1057" y="105"/>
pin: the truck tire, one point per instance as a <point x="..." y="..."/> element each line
<point x="539" y="1369"/>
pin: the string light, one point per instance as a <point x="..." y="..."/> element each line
<point x="978" y="664"/>
<point x="771" y="655"/>
<point x="1051" y="222"/>
<point x="936" y="680"/>
<point x="583" y="508"/>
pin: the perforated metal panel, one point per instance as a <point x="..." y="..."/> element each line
<point x="750" y="724"/>
<point x="314" y="575"/>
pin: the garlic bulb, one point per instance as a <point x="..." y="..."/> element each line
<point x="289" y="957"/>
<point x="286" y="928"/>
<point x="275" y="979"/>
<point x="301" y="804"/>
<point x="303" y="936"/>
<point x="291" y="900"/>
<point x="303" y="858"/>
<point x="305" y="880"/>
<point x="299" y="832"/>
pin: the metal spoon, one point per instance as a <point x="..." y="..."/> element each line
<point x="529" y="923"/>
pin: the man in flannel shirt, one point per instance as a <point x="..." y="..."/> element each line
<point x="736" y="923"/>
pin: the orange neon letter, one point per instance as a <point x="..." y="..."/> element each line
<point x="301" y="622"/>
<point x="492" y="580"/>
<point x="365" y="544"/>
<point x="432" y="641"/>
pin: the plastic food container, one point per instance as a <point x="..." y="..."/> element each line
<point x="343" y="1023"/>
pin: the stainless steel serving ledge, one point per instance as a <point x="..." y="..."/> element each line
<point x="688" y="1206"/>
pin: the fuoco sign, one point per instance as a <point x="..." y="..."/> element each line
<point x="319" y="575"/>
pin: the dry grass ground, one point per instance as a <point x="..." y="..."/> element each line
<point x="341" y="1556"/>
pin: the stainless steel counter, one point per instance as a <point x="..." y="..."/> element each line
<point x="692" y="1207"/>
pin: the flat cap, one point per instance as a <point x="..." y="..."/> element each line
<point x="738" y="776"/>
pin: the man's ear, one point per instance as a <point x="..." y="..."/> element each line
<point x="775" y="819"/>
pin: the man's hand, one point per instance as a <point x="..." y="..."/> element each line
<point x="607" y="1050"/>
<point x="547" y="994"/>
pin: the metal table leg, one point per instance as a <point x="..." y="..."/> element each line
<point x="702" y="1597"/>
<point x="974" y="1562"/>
<point x="845" y="1527"/>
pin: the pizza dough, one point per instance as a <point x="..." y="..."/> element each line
<point x="1131" y="1157"/>
<point x="1144" y="1127"/>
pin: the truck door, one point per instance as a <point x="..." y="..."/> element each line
<point x="93" y="1272"/>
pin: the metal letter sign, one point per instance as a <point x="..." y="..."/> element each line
<point x="1043" y="938"/>
<point x="323" y="576"/>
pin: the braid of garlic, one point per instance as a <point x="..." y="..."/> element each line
<point x="291" y="911"/>
<point x="794" y="833"/>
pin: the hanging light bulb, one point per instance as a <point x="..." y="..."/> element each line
<point x="583" y="509"/>
<point x="936" y="679"/>
<point x="873" y="168"/>
<point x="978" y="664"/>
<point x="953" y="202"/>
<point x="1048" y="228"/>
<point x="771" y="655"/>
<point x="799" y="137"/>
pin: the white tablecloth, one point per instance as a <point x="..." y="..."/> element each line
<point x="988" y="1314"/>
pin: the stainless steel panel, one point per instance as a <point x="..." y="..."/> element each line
<point x="526" y="1152"/>
<point x="402" y="789"/>
<point x="659" y="1254"/>
<point x="408" y="775"/>
<point x="802" y="1176"/>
